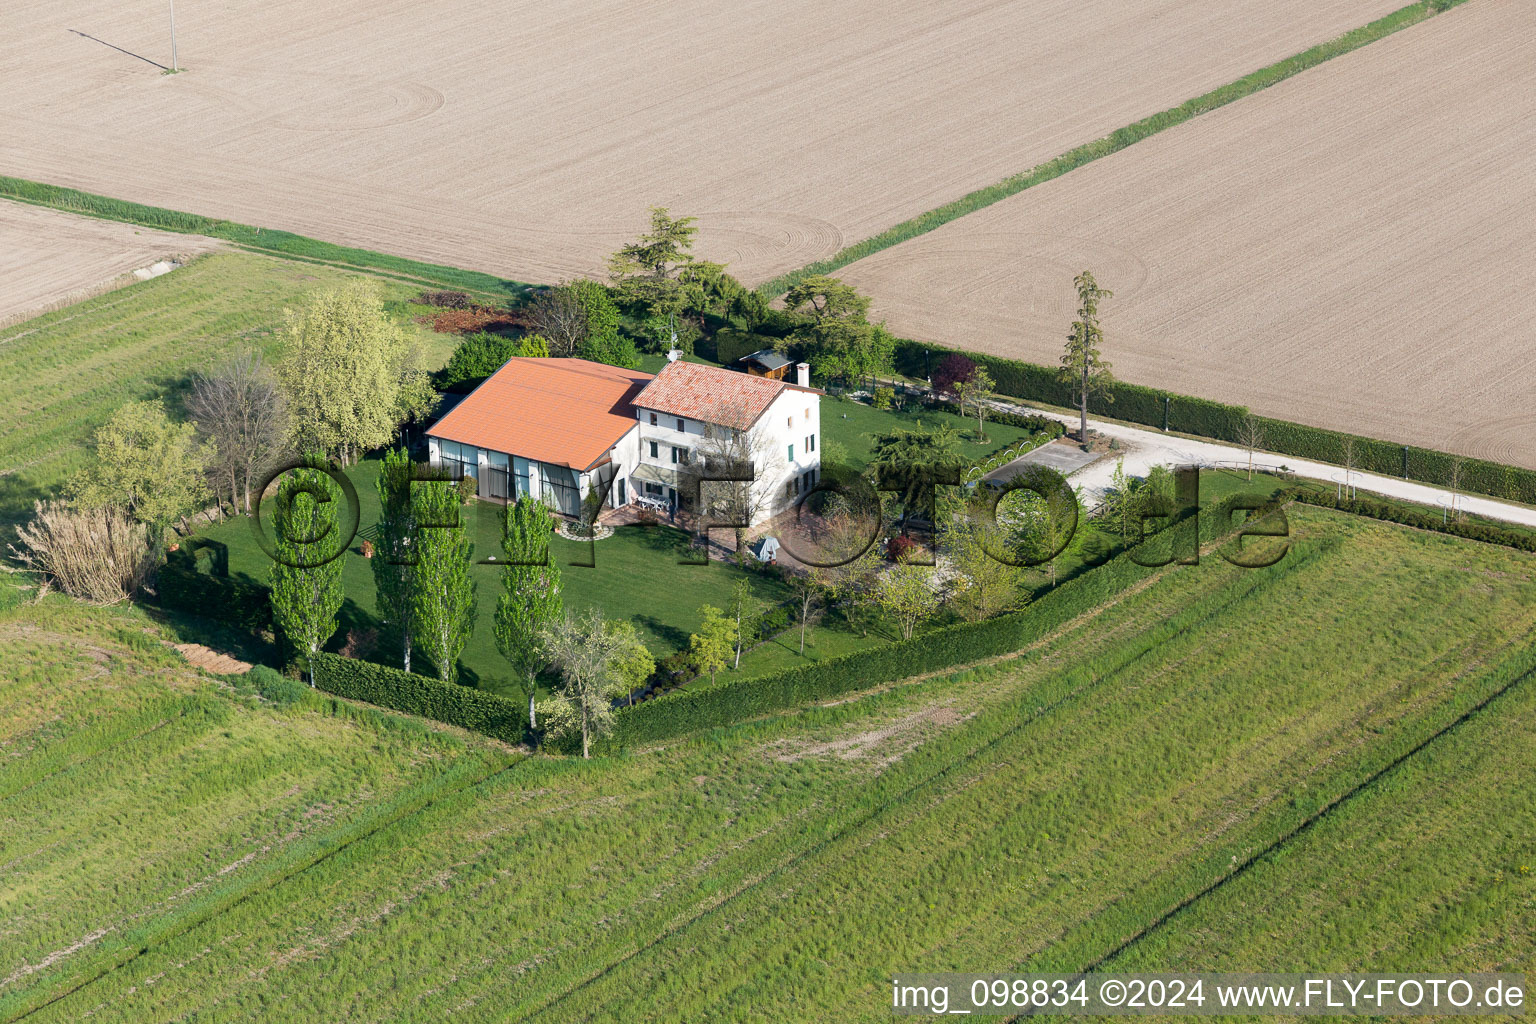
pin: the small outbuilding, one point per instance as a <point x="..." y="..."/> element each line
<point x="765" y="362"/>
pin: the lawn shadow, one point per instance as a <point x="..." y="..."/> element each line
<point x="669" y="634"/>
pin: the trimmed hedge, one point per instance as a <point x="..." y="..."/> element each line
<point x="1136" y="403"/>
<point x="418" y="695"/>
<point x="688" y="710"/>
<point x="1414" y="517"/>
<point x="246" y="605"/>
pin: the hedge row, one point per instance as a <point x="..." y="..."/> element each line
<point x="1136" y="403"/>
<point x="691" y="709"/>
<point x="1024" y="421"/>
<point x="1115" y="141"/>
<point x="418" y="695"/>
<point x="246" y="605"/>
<point x="1409" y="516"/>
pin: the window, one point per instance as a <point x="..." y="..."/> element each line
<point x="789" y="489"/>
<point x="789" y="421"/>
<point x="680" y="426"/>
<point x="520" y="474"/>
<point x="654" y="451"/>
<point x="654" y="490"/>
<point x="561" y="489"/>
<point x="679" y="455"/>
<point x="810" y="443"/>
<point x="458" y="460"/>
<point x="791" y="453"/>
<point x="622" y="500"/>
<point x="807" y="412"/>
<point x="653" y="419"/>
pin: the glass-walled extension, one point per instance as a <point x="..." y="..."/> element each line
<point x="503" y="477"/>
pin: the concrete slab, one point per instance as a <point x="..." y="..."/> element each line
<point x="1065" y="457"/>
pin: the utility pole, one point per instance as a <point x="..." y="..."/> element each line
<point x="173" y="37"/>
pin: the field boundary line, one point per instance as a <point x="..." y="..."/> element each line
<point x="125" y="956"/>
<point x="89" y="204"/>
<point x="1358" y="790"/>
<point x="1024" y="720"/>
<point x="1121" y="138"/>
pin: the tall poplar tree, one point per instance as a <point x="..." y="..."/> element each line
<point x="530" y="594"/>
<point x="1081" y="364"/>
<point x="442" y="592"/>
<point x="393" y="561"/>
<point x="306" y="574"/>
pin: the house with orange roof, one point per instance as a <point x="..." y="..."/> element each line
<point x="562" y="429"/>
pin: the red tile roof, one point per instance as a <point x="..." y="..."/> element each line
<point x="563" y="411"/>
<point x="712" y="394"/>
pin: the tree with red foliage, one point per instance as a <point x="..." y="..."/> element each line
<point x="955" y="367"/>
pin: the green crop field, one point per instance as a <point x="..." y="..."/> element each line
<point x="138" y="795"/>
<point x="65" y="372"/>
<point x="1042" y="812"/>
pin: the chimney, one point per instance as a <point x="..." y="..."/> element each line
<point x="803" y="374"/>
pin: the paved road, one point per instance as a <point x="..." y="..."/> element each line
<point x="1142" y="449"/>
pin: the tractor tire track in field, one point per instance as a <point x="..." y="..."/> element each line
<point x="1337" y="803"/>
<point x="259" y="886"/>
<point x="1292" y="563"/>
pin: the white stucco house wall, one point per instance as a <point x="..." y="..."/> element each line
<point x="558" y="429"/>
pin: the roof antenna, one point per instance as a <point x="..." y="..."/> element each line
<point x="674" y="353"/>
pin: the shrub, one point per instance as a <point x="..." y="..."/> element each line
<point x="417" y="695"/>
<point x="446" y="299"/>
<point x="475" y="319"/>
<point x="883" y="398"/>
<point x="477" y="357"/>
<point x="613" y="349"/>
<point x="899" y="547"/>
<point x="180" y="586"/>
<point x="275" y="687"/>
<point x="467" y="487"/>
<point x="94" y="554"/>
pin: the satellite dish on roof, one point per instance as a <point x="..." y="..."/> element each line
<point x="673" y="355"/>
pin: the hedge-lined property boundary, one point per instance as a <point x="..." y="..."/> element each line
<point x="1390" y="513"/>
<point x="1165" y="410"/>
<point x="279" y="243"/>
<point x="689" y="710"/>
<point x="418" y="695"/>
<point x="1113" y="143"/>
<point x="246" y="605"/>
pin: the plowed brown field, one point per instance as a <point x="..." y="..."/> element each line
<point x="1350" y="248"/>
<point x="48" y="258"/>
<point x="528" y="138"/>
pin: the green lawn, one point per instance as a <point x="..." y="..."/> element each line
<point x="638" y="575"/>
<point x="851" y="423"/>
<point x="66" y="371"/>
<point x="1034" y="813"/>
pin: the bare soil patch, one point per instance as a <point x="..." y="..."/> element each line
<point x="1349" y="248"/>
<point x="528" y="139"/>
<point x="50" y="259"/>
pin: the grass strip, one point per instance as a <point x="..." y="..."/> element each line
<point x="275" y="243"/>
<point x="1113" y="142"/>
